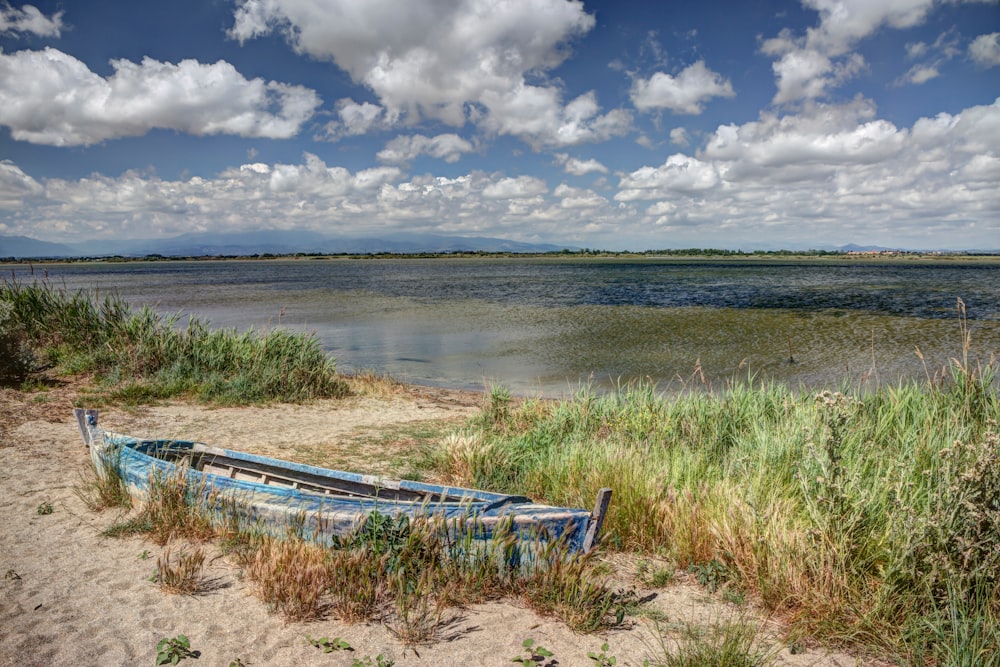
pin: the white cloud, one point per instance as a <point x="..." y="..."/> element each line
<point x="29" y="19"/>
<point x="844" y="22"/>
<point x="828" y="173"/>
<point x="920" y="74"/>
<point x="985" y="50"/>
<point x="455" y="62"/>
<point x="685" y="93"/>
<point x="49" y="97"/>
<point x="355" y="119"/>
<point x="832" y="173"/>
<point x="15" y="185"/>
<point x="810" y="66"/>
<point x="447" y="147"/>
<point x="521" y="187"/>
<point x="536" y="115"/>
<point x="808" y="74"/>
<point x="680" y="137"/>
<point x="579" y="167"/>
<point x="578" y="198"/>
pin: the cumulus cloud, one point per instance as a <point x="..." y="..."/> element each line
<point x="30" y="20"/>
<point x="536" y="115"/>
<point x="579" y="167"/>
<point x="685" y="93"/>
<point x="49" y="97"/>
<point x="355" y="119"/>
<point x="827" y="173"/>
<point x="985" y="50"/>
<point x="447" y="147"/>
<point x="15" y="185"/>
<point x="920" y="74"/>
<point x="679" y="136"/>
<point x="808" y="74"/>
<point x="833" y="167"/>
<point x="810" y="65"/>
<point x="521" y="187"/>
<point x="578" y="198"/>
<point x="454" y="62"/>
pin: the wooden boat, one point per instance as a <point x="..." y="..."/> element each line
<point x="320" y="502"/>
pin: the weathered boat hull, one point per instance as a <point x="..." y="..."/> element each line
<point x="321" y="503"/>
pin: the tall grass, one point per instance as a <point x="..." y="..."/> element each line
<point x="141" y="355"/>
<point x="860" y="518"/>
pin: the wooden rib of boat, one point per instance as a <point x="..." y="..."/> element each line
<point x="323" y="502"/>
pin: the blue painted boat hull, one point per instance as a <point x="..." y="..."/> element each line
<point x="320" y="503"/>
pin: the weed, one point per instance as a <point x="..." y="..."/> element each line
<point x="103" y="486"/>
<point x="378" y="661"/>
<point x="144" y="555"/>
<point x="733" y="644"/>
<point x="45" y="508"/>
<point x="602" y="659"/>
<point x="535" y="656"/>
<point x="290" y="576"/>
<point x="175" y="508"/>
<point x="711" y="575"/>
<point x="330" y="645"/>
<point x="173" y="650"/>
<point x="181" y="573"/>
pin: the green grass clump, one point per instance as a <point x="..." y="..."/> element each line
<point x="140" y="355"/>
<point x="858" y="517"/>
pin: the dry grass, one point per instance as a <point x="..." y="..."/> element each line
<point x="182" y="572"/>
<point x="290" y="576"/>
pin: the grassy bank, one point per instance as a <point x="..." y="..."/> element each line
<point x="140" y="355"/>
<point x="872" y="520"/>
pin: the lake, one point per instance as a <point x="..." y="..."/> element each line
<point x="546" y="326"/>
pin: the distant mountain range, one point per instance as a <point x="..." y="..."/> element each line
<point x="284" y="242"/>
<point x="273" y="242"/>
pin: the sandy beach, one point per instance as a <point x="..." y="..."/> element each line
<point x="72" y="597"/>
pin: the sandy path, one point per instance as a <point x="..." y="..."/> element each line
<point x="71" y="597"/>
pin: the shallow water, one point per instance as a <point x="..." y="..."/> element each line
<point x="546" y="325"/>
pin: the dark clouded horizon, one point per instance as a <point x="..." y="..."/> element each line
<point x="619" y="125"/>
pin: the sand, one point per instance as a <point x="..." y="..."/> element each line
<point x="71" y="597"/>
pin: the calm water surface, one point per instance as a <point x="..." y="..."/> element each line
<point x="549" y="325"/>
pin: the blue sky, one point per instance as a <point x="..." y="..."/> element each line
<point x="617" y="124"/>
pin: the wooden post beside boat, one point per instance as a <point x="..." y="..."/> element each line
<point x="597" y="519"/>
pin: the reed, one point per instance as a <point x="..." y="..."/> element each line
<point x="139" y="355"/>
<point x="857" y="516"/>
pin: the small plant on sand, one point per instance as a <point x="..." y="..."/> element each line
<point x="535" y="655"/>
<point x="602" y="659"/>
<point x="181" y="573"/>
<point x="368" y="661"/>
<point x="170" y="651"/>
<point x="330" y="645"/>
<point x="45" y="508"/>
